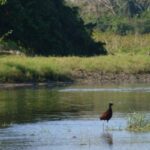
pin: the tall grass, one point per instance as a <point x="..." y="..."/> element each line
<point x="134" y="43"/>
<point x="138" y="122"/>
<point x="25" y="69"/>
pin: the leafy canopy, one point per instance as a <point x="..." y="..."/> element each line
<point x="47" y="28"/>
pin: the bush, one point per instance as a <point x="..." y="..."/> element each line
<point x="144" y="27"/>
<point x="124" y="29"/>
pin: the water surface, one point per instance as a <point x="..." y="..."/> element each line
<point x="68" y="118"/>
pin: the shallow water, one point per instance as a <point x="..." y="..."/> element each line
<point x="68" y="118"/>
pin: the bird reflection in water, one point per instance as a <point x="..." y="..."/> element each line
<point x="108" y="138"/>
<point x="106" y="116"/>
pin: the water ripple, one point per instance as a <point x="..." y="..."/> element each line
<point x="136" y="89"/>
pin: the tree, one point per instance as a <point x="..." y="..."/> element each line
<point x="47" y="28"/>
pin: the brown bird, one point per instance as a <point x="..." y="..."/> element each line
<point x="108" y="114"/>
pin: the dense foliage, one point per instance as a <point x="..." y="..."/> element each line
<point x="2" y="2"/>
<point x="119" y="16"/>
<point x="47" y="28"/>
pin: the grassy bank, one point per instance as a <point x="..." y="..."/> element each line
<point x="41" y="69"/>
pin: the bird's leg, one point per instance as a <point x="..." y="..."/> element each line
<point x="103" y="125"/>
<point x="107" y="125"/>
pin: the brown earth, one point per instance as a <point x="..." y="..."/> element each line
<point x="109" y="78"/>
<point x="89" y="78"/>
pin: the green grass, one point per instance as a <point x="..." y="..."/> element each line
<point x="41" y="69"/>
<point x="138" y="122"/>
<point x="25" y="69"/>
<point x="133" y="44"/>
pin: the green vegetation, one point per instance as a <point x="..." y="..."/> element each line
<point x="138" y="122"/>
<point x="131" y="44"/>
<point x="124" y="26"/>
<point x="46" y="28"/>
<point x="50" y="28"/>
<point x="121" y="16"/>
<point x="41" y="69"/>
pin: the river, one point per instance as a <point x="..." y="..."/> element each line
<point x="67" y="117"/>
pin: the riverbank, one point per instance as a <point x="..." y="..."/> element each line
<point x="85" y="70"/>
<point x="86" y="78"/>
<point x="110" y="78"/>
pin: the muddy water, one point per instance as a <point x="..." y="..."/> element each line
<point x="65" y="118"/>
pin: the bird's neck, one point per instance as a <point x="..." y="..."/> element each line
<point x="110" y="108"/>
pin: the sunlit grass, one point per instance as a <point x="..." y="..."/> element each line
<point x="41" y="69"/>
<point x="138" y="122"/>
<point x="133" y="44"/>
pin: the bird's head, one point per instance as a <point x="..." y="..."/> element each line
<point x="111" y="104"/>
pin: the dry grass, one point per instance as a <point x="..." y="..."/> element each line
<point x="133" y="44"/>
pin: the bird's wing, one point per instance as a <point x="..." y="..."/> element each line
<point x="104" y="115"/>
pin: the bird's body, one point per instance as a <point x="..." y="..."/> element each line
<point x="108" y="114"/>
